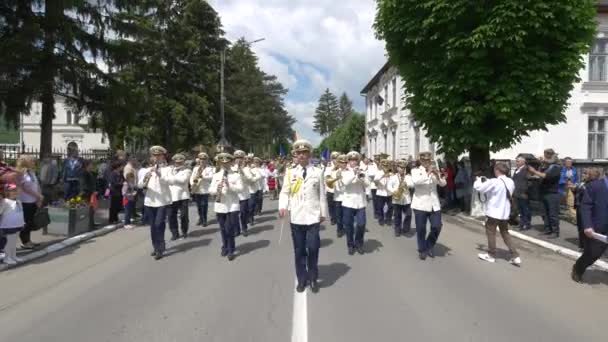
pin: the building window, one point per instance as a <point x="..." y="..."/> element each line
<point x="103" y="138"/>
<point x="68" y="117"/>
<point x="76" y="118"/>
<point x="375" y="145"/>
<point x="596" y="144"/>
<point x="395" y="92"/>
<point x="386" y="104"/>
<point x="375" y="108"/>
<point x="598" y="61"/>
<point x="385" y="143"/>
<point x="394" y="145"/>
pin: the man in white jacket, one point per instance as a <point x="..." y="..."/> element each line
<point x="158" y="198"/>
<point x="262" y="183"/>
<point x="399" y="185"/>
<point x="226" y="186"/>
<point x="498" y="208"/>
<point x="341" y="163"/>
<point x="180" y="197"/>
<point x="383" y="195"/>
<point x="199" y="186"/>
<point x="247" y="178"/>
<point x="329" y="192"/>
<point x="354" y="183"/>
<point x="426" y="205"/>
<point x="303" y="197"/>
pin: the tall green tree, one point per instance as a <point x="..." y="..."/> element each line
<point x="347" y="137"/>
<point x="346" y="108"/>
<point x="482" y="74"/>
<point x="50" y="49"/>
<point x="327" y="114"/>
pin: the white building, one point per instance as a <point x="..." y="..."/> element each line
<point x="392" y="130"/>
<point x="68" y="126"/>
<point x="389" y="128"/>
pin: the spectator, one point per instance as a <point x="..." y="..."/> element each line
<point x="594" y="219"/>
<point x="72" y="171"/>
<point x="451" y="187"/>
<point x="569" y="176"/>
<point x="521" y="196"/>
<point x="115" y="185"/>
<point x="129" y="193"/>
<point x="588" y="176"/>
<point x="498" y="208"/>
<point x="11" y="222"/>
<point x="102" y="183"/>
<point x="462" y="183"/>
<point x="549" y="188"/>
<point x="30" y="197"/>
<point x="49" y="178"/>
<point x="88" y="184"/>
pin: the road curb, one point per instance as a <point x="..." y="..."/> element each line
<point x="569" y="253"/>
<point x="71" y="241"/>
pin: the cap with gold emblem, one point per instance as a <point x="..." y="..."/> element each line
<point x="353" y="155"/>
<point x="342" y="158"/>
<point x="257" y="160"/>
<point x="157" y="150"/>
<point x="385" y="162"/>
<point x="335" y="155"/>
<point x="224" y="158"/>
<point x="178" y="157"/>
<point x="402" y="163"/>
<point x="426" y="156"/>
<point x="203" y="155"/>
<point x="239" y="154"/>
<point x="302" y="146"/>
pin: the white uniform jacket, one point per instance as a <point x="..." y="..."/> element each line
<point x="327" y="171"/>
<point x="205" y="182"/>
<point x="354" y="189"/>
<point x="393" y="185"/>
<point x="179" y="185"/>
<point x="252" y="179"/>
<point x="230" y="192"/>
<point x="158" y="193"/>
<point x="245" y="179"/>
<point x="372" y="169"/>
<point x="425" y="195"/>
<point x="263" y="181"/>
<point x="304" y="198"/>
<point x="382" y="184"/>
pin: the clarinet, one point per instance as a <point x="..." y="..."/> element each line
<point x="220" y="186"/>
<point x="149" y="175"/>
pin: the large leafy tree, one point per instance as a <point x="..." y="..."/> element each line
<point x="49" y="49"/>
<point x="327" y="114"/>
<point x="482" y="74"/>
<point x="347" y="137"/>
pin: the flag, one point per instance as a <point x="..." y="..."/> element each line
<point x="325" y="155"/>
<point x="282" y="151"/>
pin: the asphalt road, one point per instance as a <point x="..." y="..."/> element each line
<point x="110" y="289"/>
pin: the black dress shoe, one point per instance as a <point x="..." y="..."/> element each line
<point x="231" y="256"/>
<point x="158" y="255"/>
<point x="224" y="253"/>
<point x="184" y="235"/>
<point x="397" y="233"/>
<point x="174" y="237"/>
<point x="422" y="255"/>
<point x="351" y="250"/>
<point x="300" y="288"/>
<point x="547" y="232"/>
<point x="381" y="223"/>
<point x="333" y="222"/>
<point x="360" y="250"/>
<point x="405" y="231"/>
<point x="575" y="276"/>
<point x="153" y="253"/>
<point x="340" y="233"/>
<point x="245" y="233"/>
<point x="204" y="224"/>
<point x="237" y="234"/>
<point x="430" y="252"/>
<point x="314" y="286"/>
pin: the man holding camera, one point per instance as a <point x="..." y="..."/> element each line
<point x="550" y="175"/>
<point x="498" y="208"/>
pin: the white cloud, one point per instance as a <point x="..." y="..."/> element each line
<point x="329" y="43"/>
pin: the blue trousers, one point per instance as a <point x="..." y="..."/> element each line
<point x="331" y="206"/>
<point x="243" y="215"/>
<point x="252" y="206"/>
<point x="426" y="242"/>
<point x="339" y="220"/>
<point x="402" y="222"/>
<point x="129" y="211"/>
<point x="228" y="225"/>
<point x="259" y="202"/>
<point x="157" y="217"/>
<point x="202" y="206"/>
<point x="71" y="189"/>
<point x="384" y="216"/>
<point x="179" y="207"/>
<point x="354" y="223"/>
<point x="375" y="203"/>
<point x="306" y="244"/>
<point x="525" y="215"/>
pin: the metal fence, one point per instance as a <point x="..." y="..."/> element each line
<point x="11" y="153"/>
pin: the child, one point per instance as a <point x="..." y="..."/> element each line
<point x="11" y="222"/>
<point x="129" y="191"/>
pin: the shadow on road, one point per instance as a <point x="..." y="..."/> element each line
<point x="372" y="245"/>
<point x="329" y="274"/>
<point x="259" y="229"/>
<point x="201" y="232"/>
<point x="265" y="219"/>
<point x="441" y="250"/>
<point x="326" y="242"/>
<point x="249" y="247"/>
<point x="187" y="245"/>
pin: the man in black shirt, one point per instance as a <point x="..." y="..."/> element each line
<point x="549" y="174"/>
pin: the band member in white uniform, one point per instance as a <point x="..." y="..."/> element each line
<point x="226" y="186"/>
<point x="180" y="197"/>
<point x="426" y="205"/>
<point x="253" y="185"/>
<point x="240" y="166"/>
<point x="303" y="199"/>
<point x="336" y="177"/>
<point x="199" y="185"/>
<point x="399" y="185"/>
<point x="259" y="196"/>
<point x="383" y="195"/>
<point x="329" y="168"/>
<point x="158" y="198"/>
<point x="354" y="182"/>
<point x="372" y="169"/>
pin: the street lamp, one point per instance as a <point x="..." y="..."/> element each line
<point x="223" y="145"/>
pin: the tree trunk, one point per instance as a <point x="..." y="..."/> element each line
<point x="46" y="123"/>
<point x="53" y="12"/>
<point x="480" y="159"/>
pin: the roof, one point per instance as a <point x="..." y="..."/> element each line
<point x="376" y="78"/>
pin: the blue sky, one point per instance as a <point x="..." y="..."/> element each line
<point x="310" y="45"/>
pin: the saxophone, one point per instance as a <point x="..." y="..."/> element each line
<point x="199" y="175"/>
<point x="398" y="194"/>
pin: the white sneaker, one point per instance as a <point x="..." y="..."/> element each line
<point x="487" y="257"/>
<point x="515" y="261"/>
<point x="9" y="261"/>
<point x="129" y="226"/>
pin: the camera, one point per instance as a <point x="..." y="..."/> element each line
<point x="483" y="179"/>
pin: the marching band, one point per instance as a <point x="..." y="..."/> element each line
<point x="309" y="194"/>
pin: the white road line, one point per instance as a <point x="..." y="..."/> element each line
<point x="299" y="332"/>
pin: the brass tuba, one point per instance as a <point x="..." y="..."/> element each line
<point x="331" y="181"/>
<point x="398" y="194"/>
